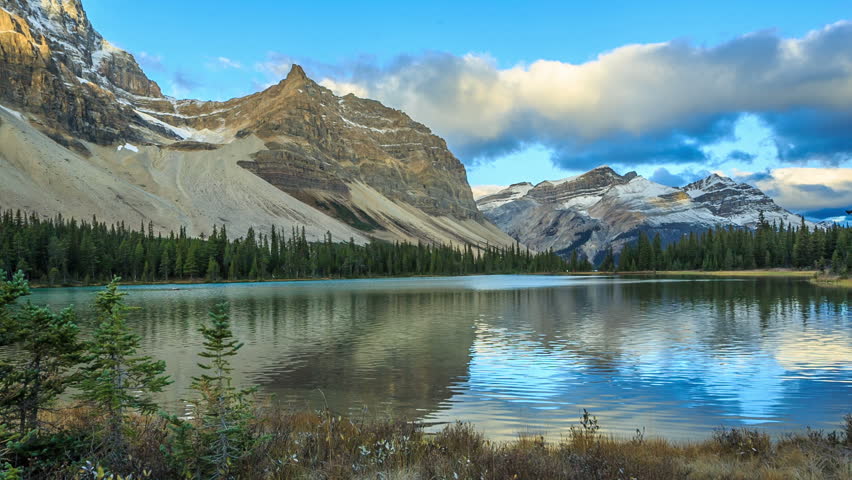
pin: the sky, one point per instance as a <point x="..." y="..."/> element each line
<point x="527" y="91"/>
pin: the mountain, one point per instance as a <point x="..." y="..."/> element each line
<point x="601" y="208"/>
<point x="84" y="132"/>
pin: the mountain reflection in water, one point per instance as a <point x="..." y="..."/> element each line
<point x="513" y="354"/>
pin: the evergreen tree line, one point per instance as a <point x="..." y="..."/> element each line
<point x="768" y="246"/>
<point x="60" y="251"/>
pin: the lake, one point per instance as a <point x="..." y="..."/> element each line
<point x="521" y="353"/>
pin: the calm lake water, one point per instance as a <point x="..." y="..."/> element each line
<point x="523" y="353"/>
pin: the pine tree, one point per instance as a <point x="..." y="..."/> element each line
<point x="115" y="380"/>
<point x="220" y="433"/>
<point x="47" y="349"/>
<point x="10" y="290"/>
<point x="165" y="265"/>
<point x="212" y="270"/>
<point x="189" y="266"/>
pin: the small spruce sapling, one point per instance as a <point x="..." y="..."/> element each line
<point x="219" y="432"/>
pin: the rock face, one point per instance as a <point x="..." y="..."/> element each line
<point x="601" y="208"/>
<point x="348" y="160"/>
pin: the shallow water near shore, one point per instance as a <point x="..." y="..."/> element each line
<point x="521" y="353"/>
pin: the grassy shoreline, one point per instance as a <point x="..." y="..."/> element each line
<point x="776" y="273"/>
<point x="831" y="282"/>
<point x="320" y="444"/>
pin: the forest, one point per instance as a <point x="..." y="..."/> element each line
<point x="770" y="245"/>
<point x="59" y="251"/>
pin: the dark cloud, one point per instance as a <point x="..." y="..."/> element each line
<point x="662" y="175"/>
<point x="683" y="145"/>
<point x="741" y="156"/>
<point x="755" y="177"/>
<point x="817" y="189"/>
<point x="812" y="134"/>
<point x="824" y="213"/>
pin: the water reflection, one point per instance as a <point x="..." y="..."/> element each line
<point x="526" y="353"/>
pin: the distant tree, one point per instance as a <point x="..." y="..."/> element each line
<point x="608" y="263"/>
<point x="212" y="270"/>
<point x="165" y="265"/>
<point x="190" y="268"/>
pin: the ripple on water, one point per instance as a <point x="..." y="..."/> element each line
<point x="523" y="353"/>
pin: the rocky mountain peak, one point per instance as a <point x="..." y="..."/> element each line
<point x="712" y="182"/>
<point x="297" y="73"/>
<point x="601" y="208"/>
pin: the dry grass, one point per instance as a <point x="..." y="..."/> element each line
<point x="743" y="273"/>
<point x="832" y="281"/>
<point x="777" y="272"/>
<point x="320" y="445"/>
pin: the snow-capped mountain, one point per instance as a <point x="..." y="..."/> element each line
<point x="84" y="132"/>
<point x="601" y="208"/>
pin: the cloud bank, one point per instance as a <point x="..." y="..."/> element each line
<point x="806" y="189"/>
<point x="637" y="104"/>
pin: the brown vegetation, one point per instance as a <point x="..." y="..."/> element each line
<point x="321" y="445"/>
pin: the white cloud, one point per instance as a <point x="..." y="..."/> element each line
<point x="344" y="88"/>
<point x="669" y="94"/>
<point x="480" y="191"/>
<point x="805" y="189"/>
<point x="225" y="63"/>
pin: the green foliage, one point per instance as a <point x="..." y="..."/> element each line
<point x="46" y="347"/>
<point x="40" y="454"/>
<point x="767" y="246"/>
<point x="608" y="263"/>
<point x="219" y="433"/>
<point x="47" y="351"/>
<point x="9" y="292"/>
<point x="115" y="380"/>
<point x="61" y="251"/>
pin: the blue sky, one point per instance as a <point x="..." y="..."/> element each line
<point x="525" y="92"/>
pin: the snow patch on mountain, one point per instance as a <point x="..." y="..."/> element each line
<point x="601" y="208"/>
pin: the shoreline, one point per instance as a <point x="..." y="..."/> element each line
<point x="812" y="275"/>
<point x="757" y="273"/>
<point x="301" y="444"/>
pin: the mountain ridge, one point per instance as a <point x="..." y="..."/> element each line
<point x="601" y="208"/>
<point x="364" y="169"/>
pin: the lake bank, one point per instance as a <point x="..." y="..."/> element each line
<point x="831" y="282"/>
<point x="769" y="273"/>
<point x="321" y="444"/>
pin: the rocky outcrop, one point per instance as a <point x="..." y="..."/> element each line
<point x="367" y="165"/>
<point x="600" y="209"/>
<point x="44" y="74"/>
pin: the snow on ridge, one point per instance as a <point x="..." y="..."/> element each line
<point x="358" y="125"/>
<point x="562" y="181"/>
<point x="128" y="146"/>
<point x="183" y="133"/>
<point x="515" y="192"/>
<point x="14" y="113"/>
<point x="713" y="182"/>
<point x="178" y="115"/>
<point x="641" y="186"/>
